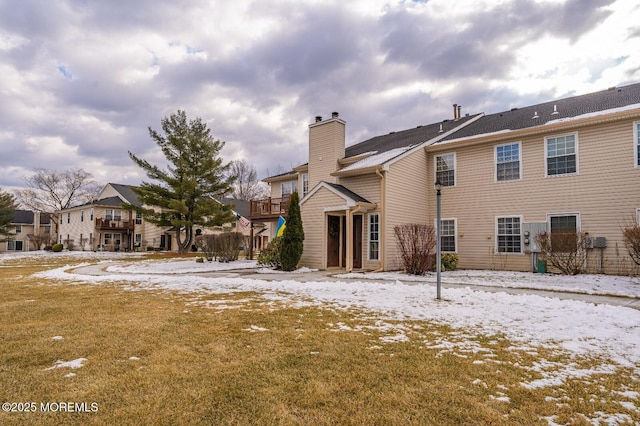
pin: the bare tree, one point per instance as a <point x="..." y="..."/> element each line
<point x="52" y="190"/>
<point x="247" y="186"/>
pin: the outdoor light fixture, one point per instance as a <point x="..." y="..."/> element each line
<point x="438" y="186"/>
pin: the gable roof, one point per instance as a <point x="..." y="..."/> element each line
<point x="22" y="217"/>
<point x="551" y="112"/>
<point x="350" y="197"/>
<point x="239" y="206"/>
<point x="127" y="193"/>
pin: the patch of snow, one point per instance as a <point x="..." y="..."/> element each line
<point x="76" y="363"/>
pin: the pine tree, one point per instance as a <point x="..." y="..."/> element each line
<point x="187" y="192"/>
<point x="7" y="214"/>
<point x="292" y="237"/>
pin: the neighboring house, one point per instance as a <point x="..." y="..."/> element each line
<point x="567" y="165"/>
<point x="103" y="224"/>
<point x="32" y="231"/>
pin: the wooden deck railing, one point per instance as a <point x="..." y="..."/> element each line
<point x="268" y="208"/>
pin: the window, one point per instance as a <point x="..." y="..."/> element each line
<point x="561" y="155"/>
<point x="508" y="162"/>
<point x="374" y="236"/>
<point x="508" y="235"/>
<point x="14" y="245"/>
<point x="107" y="239"/>
<point x="289" y="188"/>
<point x="91" y="214"/>
<point x="117" y="215"/>
<point x="18" y="229"/>
<point x="446" y="169"/>
<point x="564" y="231"/>
<point x="636" y="142"/>
<point x="108" y="214"/>
<point x="68" y="217"/>
<point x="448" y="235"/>
<point x="82" y="216"/>
<point x="305" y="184"/>
<point x="138" y="238"/>
<point x="138" y="218"/>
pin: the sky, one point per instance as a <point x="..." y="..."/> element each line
<point x="608" y="336"/>
<point x="82" y="81"/>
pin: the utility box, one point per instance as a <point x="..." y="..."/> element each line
<point x="530" y="230"/>
<point x="600" y="242"/>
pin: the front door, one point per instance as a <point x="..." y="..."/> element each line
<point x="357" y="241"/>
<point x="333" y="241"/>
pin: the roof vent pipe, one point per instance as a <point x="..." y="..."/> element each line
<point x="555" y="110"/>
<point x="459" y="112"/>
<point x="441" y="130"/>
<point x="334" y="115"/>
<point x="455" y="111"/>
<point x="318" y="118"/>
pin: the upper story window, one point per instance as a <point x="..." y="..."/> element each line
<point x="289" y="188"/>
<point x="508" y="162"/>
<point x="68" y="217"/>
<point x="91" y="215"/>
<point x="446" y="169"/>
<point x="508" y="237"/>
<point x="562" y="155"/>
<point x="138" y="218"/>
<point x="108" y="214"/>
<point x="636" y="142"/>
<point x="117" y="215"/>
<point x="305" y="184"/>
<point x="82" y="216"/>
<point x="18" y="229"/>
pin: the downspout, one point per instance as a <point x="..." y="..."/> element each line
<point x="383" y="206"/>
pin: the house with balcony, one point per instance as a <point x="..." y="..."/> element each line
<point x="566" y="165"/>
<point x="104" y="224"/>
<point x="31" y="231"/>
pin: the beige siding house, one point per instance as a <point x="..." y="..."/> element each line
<point x="104" y="224"/>
<point x="570" y="164"/>
<point x="31" y="231"/>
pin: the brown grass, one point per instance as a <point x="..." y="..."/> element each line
<point x="253" y="363"/>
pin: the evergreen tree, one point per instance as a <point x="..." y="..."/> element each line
<point x="196" y="176"/>
<point x="292" y="237"/>
<point x="7" y="213"/>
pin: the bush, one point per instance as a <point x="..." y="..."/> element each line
<point x="56" y="248"/>
<point x="631" y="236"/>
<point x="270" y="256"/>
<point x="416" y="242"/>
<point x="228" y="245"/>
<point x="566" y="251"/>
<point x="449" y="262"/>
<point x="206" y="243"/>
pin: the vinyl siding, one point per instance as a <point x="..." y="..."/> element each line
<point x="326" y="146"/>
<point x="313" y="217"/>
<point x="603" y="192"/>
<point x="407" y="192"/>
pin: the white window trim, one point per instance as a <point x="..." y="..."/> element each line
<point x="495" y="233"/>
<point x="636" y="135"/>
<point x="369" y="237"/>
<point x="495" y="161"/>
<point x="455" y="231"/>
<point x="546" y="151"/>
<point x="455" y="168"/>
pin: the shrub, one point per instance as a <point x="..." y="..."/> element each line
<point x="566" y="251"/>
<point x="56" y="248"/>
<point x="228" y="245"/>
<point x="292" y="237"/>
<point x="416" y="243"/>
<point x="449" y="262"/>
<point x="631" y="236"/>
<point x="206" y="243"/>
<point x="270" y="255"/>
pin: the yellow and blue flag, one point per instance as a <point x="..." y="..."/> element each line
<point x="281" y="225"/>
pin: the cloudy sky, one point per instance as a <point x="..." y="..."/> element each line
<point x="82" y="80"/>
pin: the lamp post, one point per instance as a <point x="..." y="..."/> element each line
<point x="438" y="186"/>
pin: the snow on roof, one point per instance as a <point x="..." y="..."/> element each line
<point x="376" y="159"/>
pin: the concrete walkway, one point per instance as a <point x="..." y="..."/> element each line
<point x="329" y="276"/>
